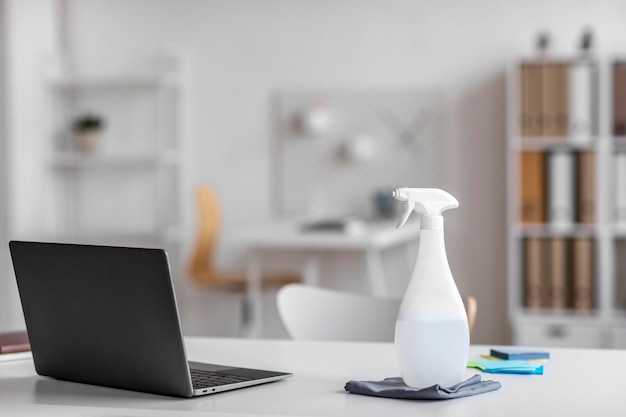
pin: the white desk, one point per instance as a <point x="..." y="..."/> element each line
<point x="577" y="382"/>
<point x="288" y="237"/>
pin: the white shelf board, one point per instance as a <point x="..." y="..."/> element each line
<point x="119" y="82"/>
<point x="550" y="317"/>
<point x="543" y="143"/>
<point x="71" y="160"/>
<point x="576" y="230"/>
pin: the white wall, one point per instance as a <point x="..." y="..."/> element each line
<point x="4" y="267"/>
<point x="244" y="50"/>
<point x="29" y="33"/>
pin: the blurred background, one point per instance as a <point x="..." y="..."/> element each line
<point x="286" y="110"/>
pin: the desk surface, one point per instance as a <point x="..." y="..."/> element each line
<point x="289" y="234"/>
<point x="577" y="382"/>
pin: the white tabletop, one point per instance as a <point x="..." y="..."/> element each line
<point x="576" y="382"/>
<point x="289" y="234"/>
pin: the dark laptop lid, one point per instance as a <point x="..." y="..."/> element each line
<point x="102" y="315"/>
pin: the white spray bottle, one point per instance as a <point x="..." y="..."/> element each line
<point x="432" y="334"/>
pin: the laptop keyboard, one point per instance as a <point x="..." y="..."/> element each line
<point x="204" y="379"/>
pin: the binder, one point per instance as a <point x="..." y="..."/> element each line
<point x="535" y="294"/>
<point x="563" y="110"/>
<point x="620" y="188"/>
<point x="530" y="100"/>
<point x="533" y="187"/>
<point x="619" y="98"/>
<point x="561" y="189"/>
<point x="620" y="273"/>
<point x="583" y="274"/>
<point x="587" y="201"/>
<point x="558" y="267"/>
<point x="555" y="103"/>
<point x="580" y="102"/>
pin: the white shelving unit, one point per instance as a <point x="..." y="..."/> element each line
<point x="561" y="326"/>
<point x="129" y="191"/>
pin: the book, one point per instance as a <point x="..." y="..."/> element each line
<point x="533" y="187"/>
<point x="13" y="342"/>
<point x="560" y="194"/>
<point x="619" y="98"/>
<point x="581" y="95"/>
<point x="535" y="295"/>
<point x="558" y="273"/>
<point x="586" y="180"/>
<point x="582" y="274"/>
<point x="509" y="354"/>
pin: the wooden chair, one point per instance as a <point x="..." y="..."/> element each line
<point x="202" y="267"/>
<point x="312" y="313"/>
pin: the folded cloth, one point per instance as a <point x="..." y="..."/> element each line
<point x="396" y="388"/>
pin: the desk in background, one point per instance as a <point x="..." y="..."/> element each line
<point x="576" y="382"/>
<point x="289" y="238"/>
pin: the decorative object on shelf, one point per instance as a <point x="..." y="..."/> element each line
<point x="314" y="120"/>
<point x="87" y="128"/>
<point x="543" y="42"/>
<point x="586" y="41"/>
<point x="359" y="149"/>
<point x="376" y="137"/>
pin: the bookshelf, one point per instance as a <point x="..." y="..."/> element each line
<point x="129" y="191"/>
<point x="560" y="253"/>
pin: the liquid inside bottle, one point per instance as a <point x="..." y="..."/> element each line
<point x="432" y="349"/>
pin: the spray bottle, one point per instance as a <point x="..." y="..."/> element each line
<point x="432" y="334"/>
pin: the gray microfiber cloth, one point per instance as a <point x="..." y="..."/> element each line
<point x="396" y="388"/>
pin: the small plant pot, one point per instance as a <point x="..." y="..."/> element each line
<point x="87" y="141"/>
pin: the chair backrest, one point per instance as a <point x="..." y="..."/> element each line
<point x="313" y="313"/>
<point x="201" y="265"/>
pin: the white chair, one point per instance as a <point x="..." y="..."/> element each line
<point x="313" y="313"/>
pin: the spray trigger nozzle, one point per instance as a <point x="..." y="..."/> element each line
<point x="425" y="201"/>
<point x="408" y="208"/>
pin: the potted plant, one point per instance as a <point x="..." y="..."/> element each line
<point x="87" y="128"/>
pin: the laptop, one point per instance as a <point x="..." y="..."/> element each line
<point x="107" y="316"/>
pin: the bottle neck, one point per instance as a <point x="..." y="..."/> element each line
<point x="432" y="222"/>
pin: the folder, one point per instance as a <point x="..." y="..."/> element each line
<point x="535" y="294"/>
<point x="558" y="267"/>
<point x="530" y="100"/>
<point x="561" y="189"/>
<point x="583" y="274"/>
<point x="619" y="98"/>
<point x="586" y="200"/>
<point x="620" y="273"/>
<point x="581" y="99"/>
<point x="533" y="187"/>
<point x="620" y="189"/>
<point x="555" y="102"/>
<point x="563" y="110"/>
